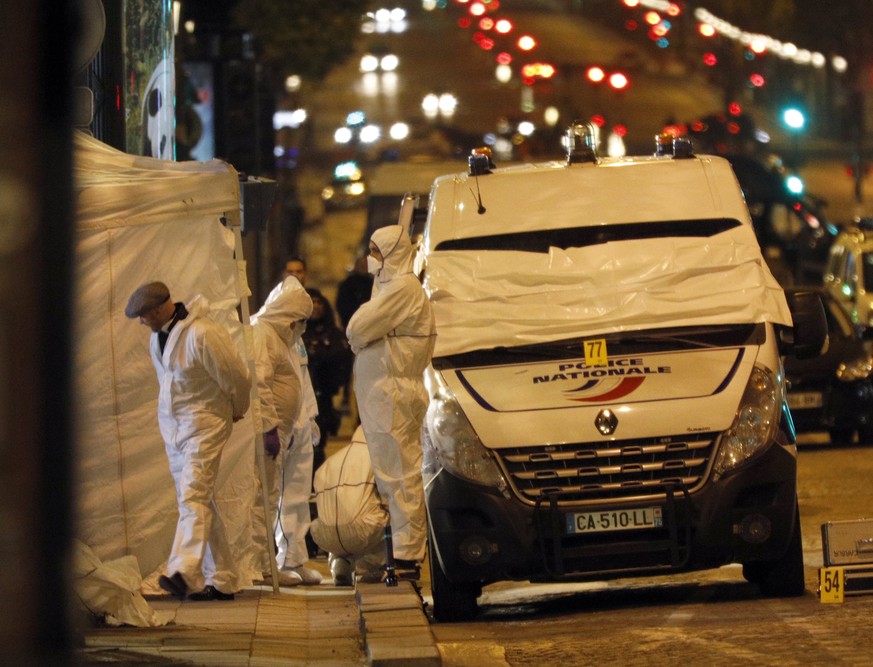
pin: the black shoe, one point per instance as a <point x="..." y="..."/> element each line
<point x="210" y="593"/>
<point x="174" y="585"/>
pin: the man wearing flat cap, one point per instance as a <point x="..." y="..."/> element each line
<point x="204" y="388"/>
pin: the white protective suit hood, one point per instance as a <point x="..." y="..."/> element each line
<point x="199" y="306"/>
<point x="397" y="251"/>
<point x="286" y="309"/>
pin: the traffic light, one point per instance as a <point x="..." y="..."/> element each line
<point x="794" y="118"/>
<point x="757" y="80"/>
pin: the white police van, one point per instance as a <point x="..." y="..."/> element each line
<point x="607" y="394"/>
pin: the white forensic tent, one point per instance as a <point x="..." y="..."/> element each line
<point x="138" y="220"/>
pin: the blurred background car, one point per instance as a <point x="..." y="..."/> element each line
<point x="833" y="392"/>
<point x="848" y="276"/>
<point x="389" y="182"/>
<point x="792" y="227"/>
<point x="346" y="189"/>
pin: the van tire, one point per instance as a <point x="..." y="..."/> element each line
<point x="865" y="434"/>
<point x="451" y="601"/>
<point x="783" y="577"/>
<point x="842" y="436"/>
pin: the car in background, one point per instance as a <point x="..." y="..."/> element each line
<point x="848" y="276"/>
<point x="346" y="189"/>
<point x="793" y="230"/>
<point x="833" y="392"/>
<point x="389" y="182"/>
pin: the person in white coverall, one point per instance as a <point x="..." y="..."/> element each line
<point x="351" y="514"/>
<point x="295" y="485"/>
<point x="393" y="336"/>
<point x="276" y="329"/>
<point x="204" y="388"/>
<point x="307" y="427"/>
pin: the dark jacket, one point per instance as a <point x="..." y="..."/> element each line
<point x="330" y="363"/>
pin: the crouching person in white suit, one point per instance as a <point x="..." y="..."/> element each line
<point x="351" y="516"/>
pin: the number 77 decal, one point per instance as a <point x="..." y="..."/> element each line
<point x="595" y="352"/>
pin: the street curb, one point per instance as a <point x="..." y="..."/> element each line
<point x="395" y="630"/>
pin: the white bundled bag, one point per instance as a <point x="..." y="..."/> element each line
<point x="351" y="517"/>
<point x="112" y="589"/>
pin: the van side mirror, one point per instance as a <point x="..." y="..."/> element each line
<point x="809" y="335"/>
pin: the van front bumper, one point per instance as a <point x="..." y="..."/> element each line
<point x="478" y="535"/>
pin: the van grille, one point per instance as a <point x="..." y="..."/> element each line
<point x="615" y="470"/>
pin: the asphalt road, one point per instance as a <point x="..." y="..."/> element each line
<point x="712" y="618"/>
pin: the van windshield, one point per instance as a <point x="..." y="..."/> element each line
<point x="541" y="240"/>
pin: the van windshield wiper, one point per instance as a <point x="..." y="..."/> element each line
<point x="664" y="341"/>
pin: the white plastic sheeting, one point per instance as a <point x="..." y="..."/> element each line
<point x="489" y="298"/>
<point x="351" y="518"/>
<point x="112" y="589"/>
<point x="142" y="219"/>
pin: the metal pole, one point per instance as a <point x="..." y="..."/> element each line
<point x="390" y="570"/>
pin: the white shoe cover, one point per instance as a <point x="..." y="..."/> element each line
<point x="308" y="576"/>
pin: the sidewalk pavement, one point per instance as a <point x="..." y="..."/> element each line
<point x="304" y="625"/>
<point x="324" y="625"/>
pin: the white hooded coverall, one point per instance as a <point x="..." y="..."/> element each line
<point x="295" y="485"/>
<point x="276" y="329"/>
<point x="393" y="336"/>
<point x="204" y="386"/>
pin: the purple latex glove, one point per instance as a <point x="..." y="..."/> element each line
<point x="271" y="443"/>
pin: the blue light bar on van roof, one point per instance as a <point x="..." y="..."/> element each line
<point x="581" y="143"/>
<point x="682" y="148"/>
<point x="479" y="162"/>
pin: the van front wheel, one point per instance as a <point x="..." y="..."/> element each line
<point x="783" y="577"/>
<point x="842" y="436"/>
<point x="451" y="601"/>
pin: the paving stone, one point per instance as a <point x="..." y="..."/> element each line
<point x="389" y="652"/>
<point x="399" y="621"/>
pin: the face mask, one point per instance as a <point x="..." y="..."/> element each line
<point x="373" y="265"/>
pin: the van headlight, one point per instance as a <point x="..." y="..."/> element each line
<point x="755" y="424"/>
<point x="456" y="445"/>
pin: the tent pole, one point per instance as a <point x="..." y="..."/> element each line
<point x="259" y="437"/>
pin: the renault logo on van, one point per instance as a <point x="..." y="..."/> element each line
<point x="606" y="421"/>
